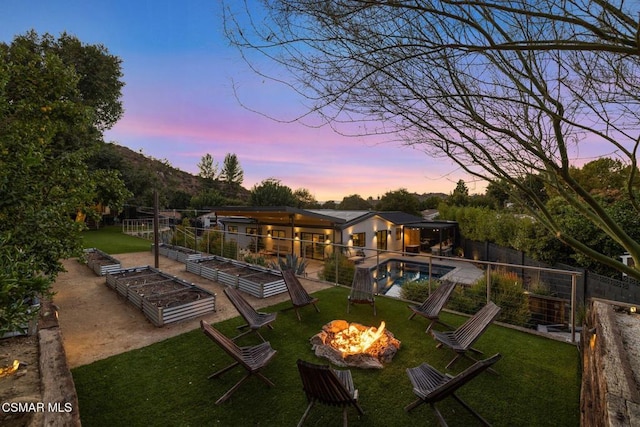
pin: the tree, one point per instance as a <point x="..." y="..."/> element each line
<point x="232" y="173"/>
<point x="399" y="200"/>
<point x="208" y="168"/>
<point x="353" y="202"/>
<point x="271" y="192"/>
<point x="460" y="195"/>
<point x="56" y="98"/>
<point x="504" y="89"/>
<point x="305" y="199"/>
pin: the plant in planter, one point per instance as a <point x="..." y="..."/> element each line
<point x="290" y="262"/>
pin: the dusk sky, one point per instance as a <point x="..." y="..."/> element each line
<point x="179" y="101"/>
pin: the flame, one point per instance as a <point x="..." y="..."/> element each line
<point x="353" y="341"/>
<point x="10" y="369"/>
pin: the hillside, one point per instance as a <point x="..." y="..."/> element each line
<point x="177" y="186"/>
<point x="181" y="180"/>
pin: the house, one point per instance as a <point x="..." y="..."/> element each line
<point x="313" y="233"/>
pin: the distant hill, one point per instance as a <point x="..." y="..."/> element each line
<point x="183" y="181"/>
<point x="138" y="170"/>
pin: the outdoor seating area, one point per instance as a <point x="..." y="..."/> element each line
<point x="123" y="389"/>
<point x="380" y="392"/>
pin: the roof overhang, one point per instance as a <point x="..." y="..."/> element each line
<point x="438" y="225"/>
<point x="279" y="215"/>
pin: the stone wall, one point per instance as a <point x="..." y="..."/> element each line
<point x="610" y="392"/>
<point x="56" y="383"/>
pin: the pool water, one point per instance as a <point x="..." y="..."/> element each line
<point x="391" y="275"/>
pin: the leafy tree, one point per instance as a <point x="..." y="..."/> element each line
<point x="207" y="199"/>
<point x="271" y="192"/>
<point x="604" y="177"/>
<point x="498" y="191"/>
<point x="56" y="98"/>
<point x="504" y="89"/>
<point x="208" y="167"/>
<point x="399" y="200"/>
<point x="232" y="173"/>
<point x="354" y="203"/>
<point x="305" y="199"/>
<point x="460" y="195"/>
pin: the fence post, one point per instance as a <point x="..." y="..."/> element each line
<point x="573" y="307"/>
<point x="335" y="258"/>
<point x="430" y="270"/>
<point x="488" y="283"/>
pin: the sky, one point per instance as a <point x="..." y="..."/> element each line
<point x="180" y="104"/>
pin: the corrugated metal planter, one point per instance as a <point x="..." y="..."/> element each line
<point x="161" y="297"/>
<point x="178" y="305"/>
<point x="100" y="262"/>
<point x="178" y="253"/>
<point x="257" y="281"/>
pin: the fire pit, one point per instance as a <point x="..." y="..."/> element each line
<point x="354" y="345"/>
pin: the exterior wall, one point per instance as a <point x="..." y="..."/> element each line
<point x="370" y="227"/>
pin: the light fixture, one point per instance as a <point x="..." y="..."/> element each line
<point x="295" y="235"/>
<point x="328" y="236"/>
<point x="633" y="309"/>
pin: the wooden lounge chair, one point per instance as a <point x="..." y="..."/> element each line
<point x="362" y="289"/>
<point x="432" y="386"/>
<point x="299" y="296"/>
<point x="461" y="340"/>
<point x="255" y="319"/>
<point x="329" y="386"/>
<point x="252" y="358"/>
<point x="432" y="306"/>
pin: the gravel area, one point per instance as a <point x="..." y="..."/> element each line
<point x="97" y="323"/>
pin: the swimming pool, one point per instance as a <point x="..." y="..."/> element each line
<point x="391" y="275"/>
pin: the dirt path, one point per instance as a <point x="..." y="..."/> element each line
<point x="97" y="323"/>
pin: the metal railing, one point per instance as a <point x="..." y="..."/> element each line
<point x="531" y="297"/>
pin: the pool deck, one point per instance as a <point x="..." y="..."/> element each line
<point x="464" y="272"/>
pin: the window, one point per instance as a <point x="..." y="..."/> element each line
<point x="398" y="233"/>
<point x="277" y="233"/>
<point x="252" y="230"/>
<point x="233" y="229"/>
<point x="359" y="239"/>
<point x="381" y="238"/>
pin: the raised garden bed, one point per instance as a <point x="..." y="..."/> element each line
<point x="100" y="262"/>
<point x="178" y="253"/>
<point x="257" y="281"/>
<point x="178" y="305"/>
<point x="161" y="297"/>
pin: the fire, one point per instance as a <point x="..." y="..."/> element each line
<point x="354" y="341"/>
<point x="10" y="369"/>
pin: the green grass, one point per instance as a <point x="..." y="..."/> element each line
<point x="111" y="240"/>
<point x="166" y="383"/>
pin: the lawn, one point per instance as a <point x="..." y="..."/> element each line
<point x="166" y="383"/>
<point x="111" y="240"/>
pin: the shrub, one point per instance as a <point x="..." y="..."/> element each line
<point x="343" y="274"/>
<point x="289" y="262"/>
<point x="417" y="290"/>
<point x="506" y="291"/>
